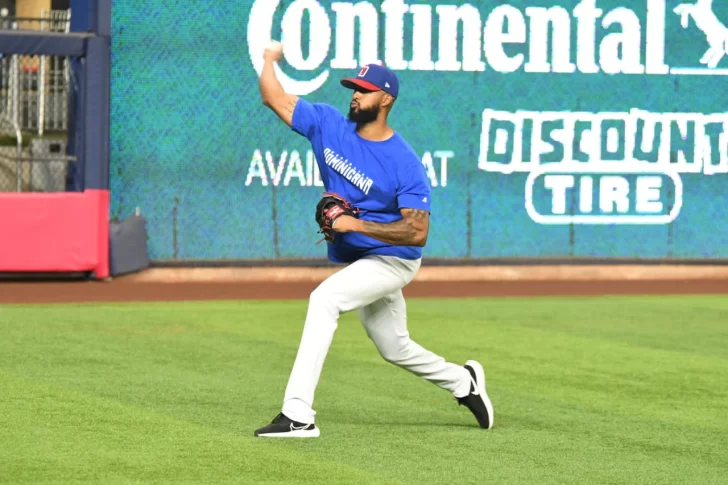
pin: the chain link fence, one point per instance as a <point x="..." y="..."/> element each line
<point x="32" y="164"/>
<point x="34" y="101"/>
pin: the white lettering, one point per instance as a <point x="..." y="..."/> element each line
<point x="586" y="194"/>
<point x="394" y="11"/>
<point x="317" y="182"/>
<point x="260" y="31"/>
<point x="614" y="138"/>
<point x="713" y="144"/>
<point x="558" y="184"/>
<point x="430" y="168"/>
<point x="648" y="194"/>
<point x="287" y="167"/>
<point x="295" y="169"/>
<point x="256" y="169"/>
<point x="586" y="15"/>
<point x="683" y="142"/>
<point x="421" y="38"/>
<point x="346" y="16"/>
<point x="310" y="163"/>
<point x="319" y="37"/>
<point x="469" y="38"/>
<point x="495" y="37"/>
<point x="613" y="192"/>
<point x="262" y="168"/>
<point x="450" y="16"/>
<point x="276" y="172"/>
<point x="443" y="155"/>
<point x="619" y="52"/>
<point x="655" y="38"/>
<point x="540" y="18"/>
<point x="347" y="170"/>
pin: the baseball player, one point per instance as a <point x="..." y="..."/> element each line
<point x="375" y="219"/>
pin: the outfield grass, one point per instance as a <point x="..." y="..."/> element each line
<point x="586" y="390"/>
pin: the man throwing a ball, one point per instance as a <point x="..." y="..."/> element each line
<point x="375" y="218"/>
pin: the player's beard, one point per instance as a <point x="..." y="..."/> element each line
<point x="364" y="116"/>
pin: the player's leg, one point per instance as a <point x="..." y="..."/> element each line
<point x="385" y="321"/>
<point x="354" y="286"/>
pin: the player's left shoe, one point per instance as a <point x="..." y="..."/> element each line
<point x="284" y="427"/>
<point x="478" y="401"/>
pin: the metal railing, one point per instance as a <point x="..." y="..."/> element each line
<point x="34" y="102"/>
<point x="34" y="89"/>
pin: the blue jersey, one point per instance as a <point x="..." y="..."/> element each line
<point x="378" y="177"/>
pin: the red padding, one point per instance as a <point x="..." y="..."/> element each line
<point x="55" y="232"/>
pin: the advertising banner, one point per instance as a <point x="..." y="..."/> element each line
<point x="548" y="128"/>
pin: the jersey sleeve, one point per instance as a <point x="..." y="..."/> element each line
<point x="414" y="186"/>
<point x="308" y="118"/>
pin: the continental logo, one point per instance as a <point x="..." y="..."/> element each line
<point x="586" y="38"/>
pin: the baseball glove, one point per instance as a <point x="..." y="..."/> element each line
<point x="329" y="208"/>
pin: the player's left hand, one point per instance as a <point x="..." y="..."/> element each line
<point x="345" y="224"/>
<point x="332" y="210"/>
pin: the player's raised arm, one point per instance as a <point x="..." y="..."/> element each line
<point x="271" y="91"/>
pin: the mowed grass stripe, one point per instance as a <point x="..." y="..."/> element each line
<point x="60" y="435"/>
<point x="582" y="394"/>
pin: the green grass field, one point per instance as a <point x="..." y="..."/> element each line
<point x="586" y="390"/>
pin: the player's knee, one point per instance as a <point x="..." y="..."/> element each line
<point x="395" y="354"/>
<point x="323" y="300"/>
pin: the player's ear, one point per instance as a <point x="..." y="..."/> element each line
<point x="387" y="100"/>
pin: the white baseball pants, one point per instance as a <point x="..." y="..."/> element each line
<point x="373" y="286"/>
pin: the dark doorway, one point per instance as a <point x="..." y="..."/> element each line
<point x="60" y="4"/>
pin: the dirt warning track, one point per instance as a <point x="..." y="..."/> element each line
<point x="145" y="288"/>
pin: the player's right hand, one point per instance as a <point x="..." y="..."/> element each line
<point x="274" y="51"/>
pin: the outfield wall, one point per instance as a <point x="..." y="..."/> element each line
<point x="604" y="138"/>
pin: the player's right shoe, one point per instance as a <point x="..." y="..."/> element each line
<point x="283" y="427"/>
<point x="478" y="401"/>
